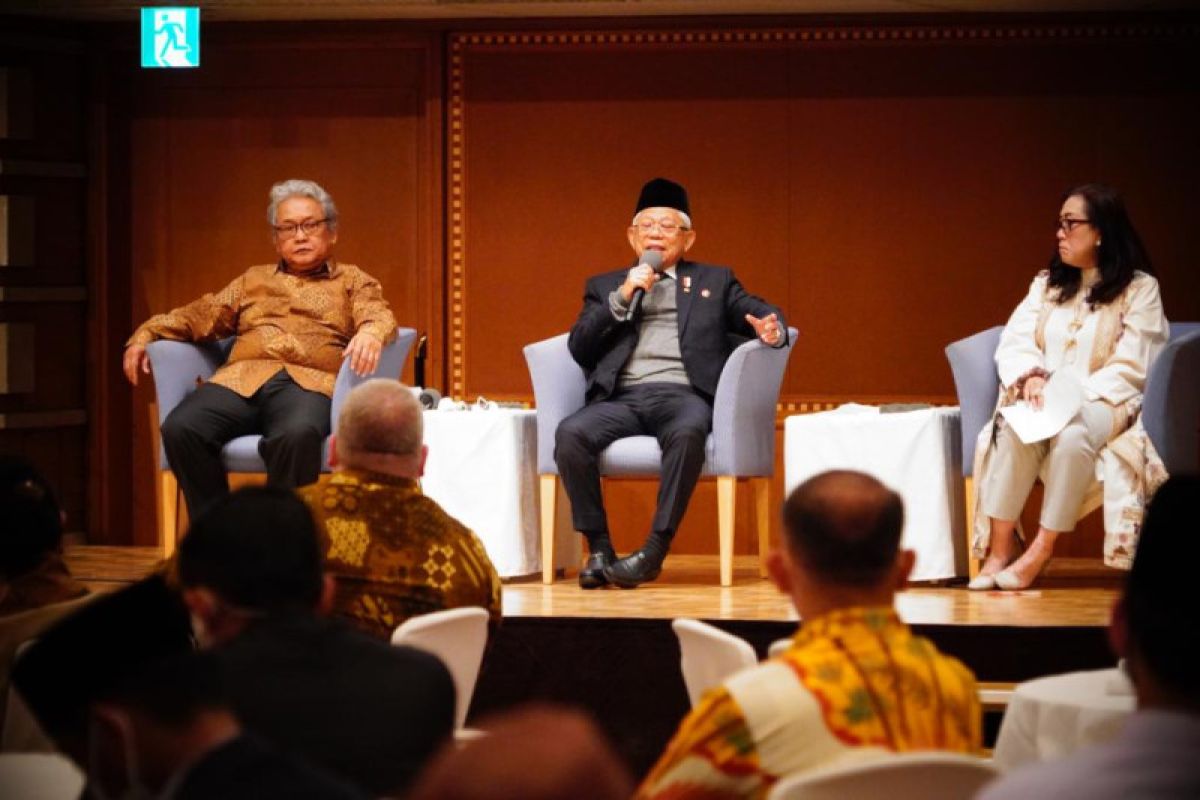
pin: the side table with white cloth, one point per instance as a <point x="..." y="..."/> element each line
<point x="1049" y="718"/>
<point x="482" y="469"/>
<point x="916" y="453"/>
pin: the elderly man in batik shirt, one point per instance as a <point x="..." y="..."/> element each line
<point x="393" y="551"/>
<point x="856" y="682"/>
<point x="295" y="321"/>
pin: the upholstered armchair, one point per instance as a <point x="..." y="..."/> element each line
<point x="179" y="367"/>
<point x="1170" y="409"/>
<point x="740" y="447"/>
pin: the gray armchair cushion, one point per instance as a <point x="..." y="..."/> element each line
<point x="179" y="367"/>
<point x="1169" y="411"/>
<point x="743" y="439"/>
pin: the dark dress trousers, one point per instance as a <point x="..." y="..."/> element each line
<point x="364" y="710"/>
<point x="711" y="306"/>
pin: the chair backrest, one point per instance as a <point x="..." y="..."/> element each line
<point x="1171" y="404"/>
<point x="458" y="637"/>
<point x="778" y="647"/>
<point x="709" y="655"/>
<point x="744" y="408"/>
<point x="559" y="389"/>
<point x="39" y="776"/>
<point x="973" y="362"/>
<point x="903" y="776"/>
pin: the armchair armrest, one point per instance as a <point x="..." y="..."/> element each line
<point x="744" y="408"/>
<point x="391" y="362"/>
<point x="977" y="383"/>
<point x="559" y="389"/>
<point x="179" y="367"/>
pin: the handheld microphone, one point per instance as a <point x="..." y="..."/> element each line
<point x="652" y="259"/>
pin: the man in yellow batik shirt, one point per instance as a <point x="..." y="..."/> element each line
<point x="393" y="551"/>
<point x="295" y="321"/>
<point x="856" y="682"/>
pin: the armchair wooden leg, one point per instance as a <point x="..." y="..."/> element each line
<point x="168" y="512"/>
<point x="726" y="509"/>
<point x="549" y="492"/>
<point x="969" y="498"/>
<point x="762" y="514"/>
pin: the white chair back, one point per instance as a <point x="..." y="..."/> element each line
<point x="39" y="776"/>
<point x="458" y="637"/>
<point x="708" y="655"/>
<point x="903" y="776"/>
<point x="778" y="646"/>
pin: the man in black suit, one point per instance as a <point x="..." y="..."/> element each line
<point x="253" y="580"/>
<point x="653" y="343"/>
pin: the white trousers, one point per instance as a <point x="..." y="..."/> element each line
<point x="1067" y="462"/>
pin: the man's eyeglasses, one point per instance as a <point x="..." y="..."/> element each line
<point x="309" y="227"/>
<point x="667" y="226"/>
<point x="1068" y="224"/>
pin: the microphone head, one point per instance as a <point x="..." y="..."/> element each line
<point x="652" y="258"/>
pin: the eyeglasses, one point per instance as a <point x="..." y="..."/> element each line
<point x="1068" y="224"/>
<point x="289" y="230"/>
<point x="669" y="227"/>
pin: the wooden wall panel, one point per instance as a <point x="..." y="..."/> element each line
<point x="892" y="187"/>
<point x="360" y="117"/>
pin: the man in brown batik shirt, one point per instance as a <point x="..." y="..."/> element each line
<point x="393" y="552"/>
<point x="295" y="322"/>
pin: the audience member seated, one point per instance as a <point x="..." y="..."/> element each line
<point x="534" y="753"/>
<point x="394" y="552"/>
<point x="32" y="571"/>
<point x="1157" y="753"/>
<point x="856" y="682"/>
<point x="119" y="689"/>
<point x="252" y="579"/>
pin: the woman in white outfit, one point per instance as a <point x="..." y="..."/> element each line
<point x="1096" y="312"/>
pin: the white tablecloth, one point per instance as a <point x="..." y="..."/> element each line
<point x="916" y="453"/>
<point x="482" y="469"/>
<point x="1049" y="718"/>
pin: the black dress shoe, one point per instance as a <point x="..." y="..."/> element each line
<point x="592" y="574"/>
<point x="636" y="568"/>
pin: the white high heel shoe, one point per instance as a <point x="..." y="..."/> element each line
<point x="982" y="583"/>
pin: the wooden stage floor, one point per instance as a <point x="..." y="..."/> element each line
<point x="688" y="588"/>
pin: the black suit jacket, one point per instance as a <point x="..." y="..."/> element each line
<point x="364" y="710"/>
<point x="712" y="309"/>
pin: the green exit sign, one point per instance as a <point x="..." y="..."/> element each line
<point x="170" y="37"/>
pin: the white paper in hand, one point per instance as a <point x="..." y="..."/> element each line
<point x="1061" y="400"/>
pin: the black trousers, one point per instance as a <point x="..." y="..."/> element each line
<point x="673" y="413"/>
<point x="293" y="421"/>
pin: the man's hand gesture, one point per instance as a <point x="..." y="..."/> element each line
<point x="767" y="328"/>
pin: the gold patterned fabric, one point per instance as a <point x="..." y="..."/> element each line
<point x="300" y="323"/>
<point x="395" y="553"/>
<point x="856" y="684"/>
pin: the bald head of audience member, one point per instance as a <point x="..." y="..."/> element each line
<point x="380" y="428"/>
<point x="1153" y="625"/>
<point x="841" y="544"/>
<point x="535" y="753"/>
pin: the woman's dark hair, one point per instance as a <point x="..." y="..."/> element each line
<point x="1121" y="251"/>
<point x="29" y="512"/>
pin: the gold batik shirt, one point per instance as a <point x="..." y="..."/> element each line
<point x="300" y="323"/>
<point x="856" y="684"/>
<point x="395" y="553"/>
